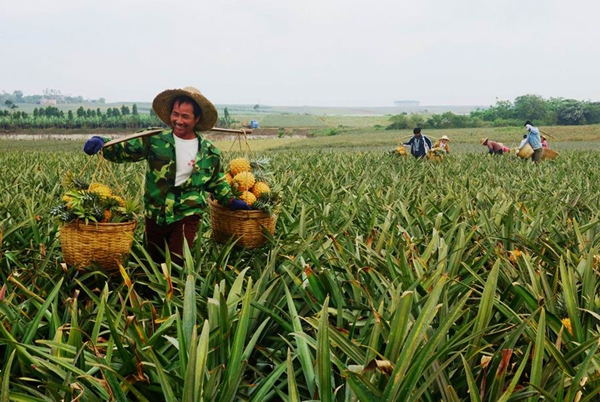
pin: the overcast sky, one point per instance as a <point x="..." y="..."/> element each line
<point x="304" y="52"/>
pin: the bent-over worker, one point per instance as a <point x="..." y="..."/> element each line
<point x="494" y="147"/>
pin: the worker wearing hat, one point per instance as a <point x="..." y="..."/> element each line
<point x="494" y="147"/>
<point x="182" y="167"/>
<point x="443" y="144"/>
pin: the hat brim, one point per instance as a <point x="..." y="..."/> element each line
<point x="163" y="103"/>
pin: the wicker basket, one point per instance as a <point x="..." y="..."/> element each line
<point x="247" y="226"/>
<point x="549" y="154"/>
<point x="525" y="152"/>
<point x="104" y="244"/>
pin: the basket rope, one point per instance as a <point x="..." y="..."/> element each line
<point x="238" y="139"/>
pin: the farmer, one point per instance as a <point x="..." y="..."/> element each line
<point x="533" y="139"/>
<point x="182" y="167"/>
<point x="442" y="143"/>
<point x="494" y="148"/>
<point x="419" y="144"/>
<point x="545" y="144"/>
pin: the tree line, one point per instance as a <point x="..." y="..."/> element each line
<point x="552" y="111"/>
<point x="53" y="117"/>
<point x="115" y="117"/>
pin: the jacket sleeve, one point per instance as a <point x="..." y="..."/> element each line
<point x="129" y="151"/>
<point x="410" y="142"/>
<point x="428" y="141"/>
<point x="217" y="185"/>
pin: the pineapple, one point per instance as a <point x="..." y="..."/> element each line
<point x="107" y="215"/>
<point x="68" y="200"/>
<point x="239" y="165"/>
<point x="119" y="199"/>
<point x="260" y="187"/>
<point x="228" y="177"/>
<point x="101" y="189"/>
<point x="248" y="197"/>
<point x="243" y="181"/>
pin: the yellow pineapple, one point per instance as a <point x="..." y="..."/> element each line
<point x="69" y="200"/>
<point x="101" y="189"/>
<point x="566" y="322"/>
<point x="239" y="165"/>
<point x="107" y="215"/>
<point x="248" y="197"/>
<point x="228" y="177"/>
<point x="243" y="181"/>
<point x="120" y="200"/>
<point x="260" y="187"/>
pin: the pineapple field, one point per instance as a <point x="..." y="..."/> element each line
<point x="387" y="279"/>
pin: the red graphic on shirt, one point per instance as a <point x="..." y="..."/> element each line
<point x="191" y="162"/>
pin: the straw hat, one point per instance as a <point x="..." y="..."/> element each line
<point x="163" y="103"/>
<point x="445" y="137"/>
<point x="484" y="141"/>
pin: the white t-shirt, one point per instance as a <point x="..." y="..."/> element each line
<point x="185" y="156"/>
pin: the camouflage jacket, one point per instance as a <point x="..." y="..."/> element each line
<point x="164" y="202"/>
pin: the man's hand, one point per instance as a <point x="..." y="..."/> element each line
<point x="238" y="204"/>
<point x="93" y="145"/>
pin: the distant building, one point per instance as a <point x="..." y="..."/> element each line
<point x="406" y="103"/>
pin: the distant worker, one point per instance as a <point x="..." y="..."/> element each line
<point x="534" y="140"/>
<point x="545" y="144"/>
<point x="443" y="144"/>
<point x="494" y="147"/>
<point x="419" y="144"/>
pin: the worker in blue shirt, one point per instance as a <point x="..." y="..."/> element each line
<point x="534" y="139"/>
<point x="419" y="144"/>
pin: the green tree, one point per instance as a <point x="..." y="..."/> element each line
<point x="80" y="111"/>
<point x="124" y="110"/>
<point x="571" y="112"/>
<point x="70" y="115"/>
<point x="226" y="121"/>
<point x="134" y="110"/>
<point x="530" y="107"/>
<point x="398" y="122"/>
<point x="591" y="111"/>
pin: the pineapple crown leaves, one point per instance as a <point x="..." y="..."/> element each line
<point x="72" y="182"/>
<point x="260" y="164"/>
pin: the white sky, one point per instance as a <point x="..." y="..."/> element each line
<point x="304" y="52"/>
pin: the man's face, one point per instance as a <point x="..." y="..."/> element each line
<point x="183" y="119"/>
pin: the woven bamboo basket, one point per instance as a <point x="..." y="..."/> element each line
<point x="247" y="226"/>
<point x="525" y="152"/>
<point x="549" y="154"/>
<point x="104" y="244"/>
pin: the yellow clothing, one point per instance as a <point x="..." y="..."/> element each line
<point x="445" y="146"/>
